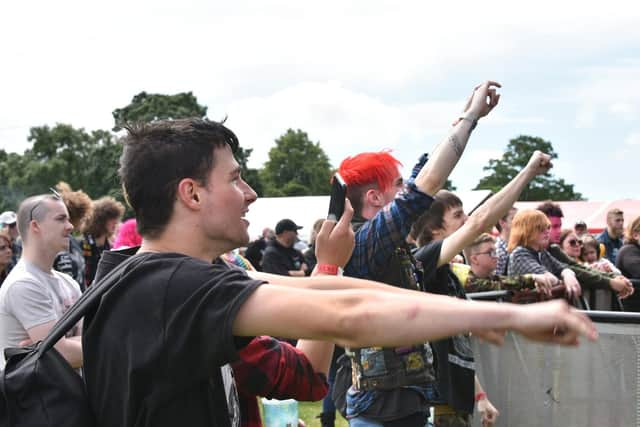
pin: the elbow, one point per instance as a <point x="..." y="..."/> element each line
<point x="352" y="326"/>
<point x="479" y="221"/>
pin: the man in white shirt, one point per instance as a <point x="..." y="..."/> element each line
<point x="34" y="296"/>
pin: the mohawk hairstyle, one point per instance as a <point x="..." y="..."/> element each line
<point x="379" y="168"/>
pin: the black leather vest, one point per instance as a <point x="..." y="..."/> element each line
<point x="378" y="368"/>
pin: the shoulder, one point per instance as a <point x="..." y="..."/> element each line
<point x="68" y="281"/>
<point x="520" y="252"/>
<point x="21" y="275"/>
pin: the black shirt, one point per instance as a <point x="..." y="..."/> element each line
<point x="156" y="349"/>
<point x="454" y="357"/>
<point x="254" y="253"/>
<point x="278" y="259"/>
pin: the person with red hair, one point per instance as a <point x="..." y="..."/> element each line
<point x="385" y="209"/>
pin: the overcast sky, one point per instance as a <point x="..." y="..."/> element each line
<point x="355" y="75"/>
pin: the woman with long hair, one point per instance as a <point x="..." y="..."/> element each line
<point x="528" y="250"/>
<point x="5" y="254"/>
<point x="99" y="231"/>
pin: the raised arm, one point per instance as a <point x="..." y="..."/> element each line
<point x="334" y="244"/>
<point x="446" y="155"/>
<point x="494" y="208"/>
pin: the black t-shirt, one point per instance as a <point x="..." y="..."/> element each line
<point x="280" y="260"/>
<point x="454" y="357"/>
<point x="254" y="253"/>
<point x="156" y="350"/>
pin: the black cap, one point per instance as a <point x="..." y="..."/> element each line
<point x="286" y="225"/>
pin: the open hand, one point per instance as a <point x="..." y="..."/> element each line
<point x="553" y="322"/>
<point x="483" y="99"/>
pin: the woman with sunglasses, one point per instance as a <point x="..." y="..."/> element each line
<point x="568" y="252"/>
<point x="5" y="255"/>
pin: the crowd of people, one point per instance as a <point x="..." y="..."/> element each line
<point x="185" y="334"/>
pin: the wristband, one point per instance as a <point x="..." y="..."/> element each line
<point x="331" y="269"/>
<point x="481" y="395"/>
<point x="470" y="119"/>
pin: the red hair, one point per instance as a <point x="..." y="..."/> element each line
<point x="380" y="168"/>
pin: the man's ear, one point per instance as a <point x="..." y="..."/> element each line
<point x="374" y="197"/>
<point x="189" y="193"/>
<point x="34" y="227"/>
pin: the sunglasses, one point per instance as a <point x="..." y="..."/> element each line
<point x="54" y="193"/>
<point x="574" y="242"/>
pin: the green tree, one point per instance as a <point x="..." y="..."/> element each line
<point x="148" y="107"/>
<point x="86" y="160"/>
<point x="516" y="156"/>
<point x="296" y="167"/>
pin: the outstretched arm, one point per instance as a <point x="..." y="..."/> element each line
<point x="365" y="318"/>
<point x="493" y="209"/>
<point x="446" y="155"/>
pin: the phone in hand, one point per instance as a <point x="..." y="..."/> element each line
<point x="338" y="196"/>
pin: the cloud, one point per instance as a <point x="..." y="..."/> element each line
<point x="607" y="91"/>
<point x="633" y="139"/>
<point x="342" y="120"/>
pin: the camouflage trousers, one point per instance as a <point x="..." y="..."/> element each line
<point x="452" y="420"/>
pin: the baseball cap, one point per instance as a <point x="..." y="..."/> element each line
<point x="7" y="217"/>
<point x="286" y="225"/>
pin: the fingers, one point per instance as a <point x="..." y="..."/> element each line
<point x="484" y="98"/>
<point x="493" y="336"/>
<point x="347" y="215"/>
<point x="580" y="325"/>
<point x="325" y="229"/>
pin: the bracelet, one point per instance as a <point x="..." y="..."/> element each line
<point x="481" y="395"/>
<point x="331" y="269"/>
<point x="473" y="121"/>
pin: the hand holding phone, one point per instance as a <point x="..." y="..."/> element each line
<point x="338" y="195"/>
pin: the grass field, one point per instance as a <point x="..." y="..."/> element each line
<point x="308" y="411"/>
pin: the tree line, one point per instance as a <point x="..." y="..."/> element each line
<point x="296" y="165"/>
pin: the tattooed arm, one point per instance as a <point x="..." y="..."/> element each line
<point x="446" y="155"/>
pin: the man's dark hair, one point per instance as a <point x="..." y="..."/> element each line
<point x="504" y="218"/>
<point x="551" y="209"/>
<point x="157" y="156"/>
<point x="433" y="219"/>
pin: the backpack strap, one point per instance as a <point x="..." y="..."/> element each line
<point x="88" y="299"/>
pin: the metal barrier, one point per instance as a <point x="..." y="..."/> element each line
<point x="596" y="384"/>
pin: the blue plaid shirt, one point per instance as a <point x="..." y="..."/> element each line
<point x="377" y="238"/>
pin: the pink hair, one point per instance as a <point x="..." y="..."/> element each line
<point x="127" y="235"/>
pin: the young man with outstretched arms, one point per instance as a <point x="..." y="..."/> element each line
<point x="158" y="346"/>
